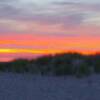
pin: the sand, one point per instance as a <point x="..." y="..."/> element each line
<point x="35" y="87"/>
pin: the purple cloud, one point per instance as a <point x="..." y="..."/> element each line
<point x="67" y="14"/>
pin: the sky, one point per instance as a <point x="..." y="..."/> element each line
<point x="29" y="28"/>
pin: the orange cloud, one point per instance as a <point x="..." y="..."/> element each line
<point x="46" y="45"/>
<point x="61" y="42"/>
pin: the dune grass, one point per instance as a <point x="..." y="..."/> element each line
<point x="59" y="64"/>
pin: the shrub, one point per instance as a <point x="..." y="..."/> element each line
<point x="83" y="70"/>
<point x="58" y="64"/>
<point x="2" y="67"/>
<point x="19" y="66"/>
<point x="61" y="67"/>
<point x="97" y="66"/>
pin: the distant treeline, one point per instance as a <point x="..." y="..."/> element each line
<point x="59" y="64"/>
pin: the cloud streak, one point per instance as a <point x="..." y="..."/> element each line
<point x="67" y="14"/>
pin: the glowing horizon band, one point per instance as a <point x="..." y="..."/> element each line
<point x="42" y="51"/>
<point x="29" y="51"/>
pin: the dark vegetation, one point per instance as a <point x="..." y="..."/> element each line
<point x="59" y="64"/>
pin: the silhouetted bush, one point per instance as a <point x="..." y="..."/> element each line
<point x="61" y="66"/>
<point x="97" y="65"/>
<point x="2" y="67"/>
<point x="19" y="66"/>
<point x="58" y="64"/>
<point x="83" y="70"/>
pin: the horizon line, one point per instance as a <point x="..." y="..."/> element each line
<point x="39" y="53"/>
<point x="45" y="51"/>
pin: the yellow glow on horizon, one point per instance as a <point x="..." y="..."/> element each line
<point x="4" y="50"/>
<point x="41" y="51"/>
<point x="30" y="51"/>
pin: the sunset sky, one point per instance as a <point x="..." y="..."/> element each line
<point x="29" y="28"/>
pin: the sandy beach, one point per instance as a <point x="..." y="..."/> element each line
<point x="35" y="87"/>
